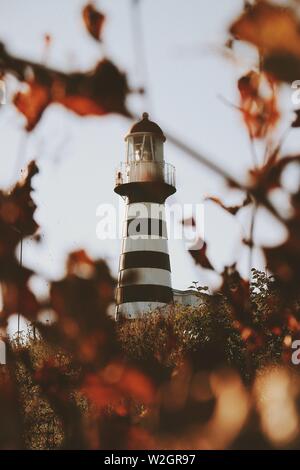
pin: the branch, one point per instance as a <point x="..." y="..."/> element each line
<point x="98" y="91"/>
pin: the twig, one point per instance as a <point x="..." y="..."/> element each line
<point x="251" y="234"/>
<point x="139" y="49"/>
<point x="21" y="264"/>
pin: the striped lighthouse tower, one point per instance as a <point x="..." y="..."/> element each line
<point x="145" y="181"/>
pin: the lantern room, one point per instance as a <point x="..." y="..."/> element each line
<point x="145" y="142"/>
<point x="144" y="163"/>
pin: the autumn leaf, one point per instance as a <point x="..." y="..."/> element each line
<point x="199" y="256"/>
<point x="80" y="264"/>
<point x="17" y="297"/>
<point x="296" y="122"/>
<point x="236" y="289"/>
<point x="272" y="28"/>
<point x="116" y="382"/>
<point x="87" y="287"/>
<point x="275" y="31"/>
<point x="17" y="210"/>
<point x="284" y="262"/>
<point x="233" y="210"/>
<point x="97" y="92"/>
<point x="259" y="110"/>
<point x="268" y="176"/>
<point x="17" y="213"/>
<point x="284" y="67"/>
<point x="93" y="20"/>
<point x="252" y="339"/>
<point x="32" y="103"/>
<point x="248" y="242"/>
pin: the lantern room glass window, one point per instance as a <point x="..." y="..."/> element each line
<point x="144" y="147"/>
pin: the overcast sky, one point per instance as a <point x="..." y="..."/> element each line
<point x="186" y="75"/>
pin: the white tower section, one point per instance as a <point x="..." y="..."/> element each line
<point x="145" y="181"/>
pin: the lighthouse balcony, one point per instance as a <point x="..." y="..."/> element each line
<point x="145" y="178"/>
<point x="138" y="172"/>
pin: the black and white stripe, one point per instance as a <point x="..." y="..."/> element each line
<point x="144" y="280"/>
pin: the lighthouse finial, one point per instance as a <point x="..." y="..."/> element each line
<point x="145" y="115"/>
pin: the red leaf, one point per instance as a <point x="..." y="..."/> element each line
<point x="32" y="103"/>
<point x="93" y="20"/>
<point x="115" y="383"/>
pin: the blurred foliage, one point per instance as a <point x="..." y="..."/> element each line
<point x="204" y="334"/>
<point x="216" y="375"/>
<point x="160" y="385"/>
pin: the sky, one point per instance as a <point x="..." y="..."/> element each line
<point x="181" y="64"/>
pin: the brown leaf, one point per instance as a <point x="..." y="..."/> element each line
<point x="248" y="242"/>
<point x="236" y="289"/>
<point x="16" y="214"/>
<point x="285" y="67"/>
<point x="80" y="302"/>
<point x="116" y="382"/>
<point x="17" y="297"/>
<point x="93" y="20"/>
<point x="268" y="176"/>
<point x="231" y="209"/>
<point x="296" y="122"/>
<point x="259" y="109"/>
<point x="17" y="210"/>
<point x="284" y="262"/>
<point x="275" y="31"/>
<point x="79" y="262"/>
<point x="32" y="103"/>
<point x="97" y="92"/>
<point x="199" y="256"/>
<point x="272" y="28"/>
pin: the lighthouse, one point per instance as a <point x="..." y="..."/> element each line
<point x="144" y="181"/>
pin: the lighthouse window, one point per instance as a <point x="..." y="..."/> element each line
<point x="138" y="152"/>
<point x="130" y="150"/>
<point x="143" y="148"/>
<point x="147" y="149"/>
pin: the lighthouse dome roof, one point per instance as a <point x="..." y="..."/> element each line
<point x="145" y="125"/>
